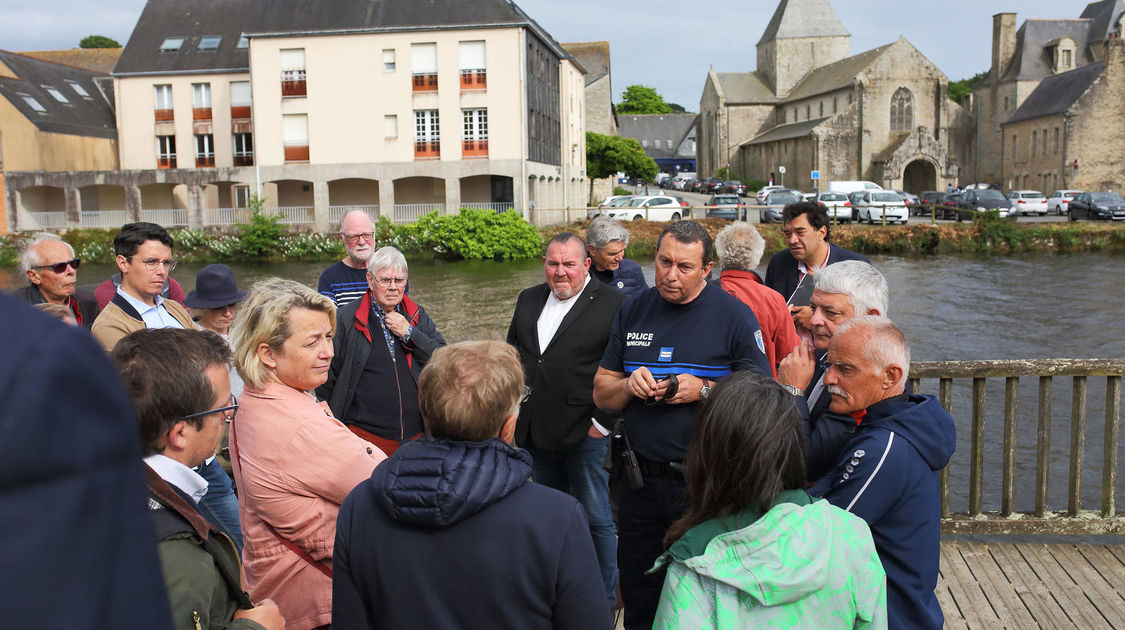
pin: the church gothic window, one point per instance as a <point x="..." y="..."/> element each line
<point x="902" y="110"/>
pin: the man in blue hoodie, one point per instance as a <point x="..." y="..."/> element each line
<point x="888" y="472"/>
<point x="449" y="533"/>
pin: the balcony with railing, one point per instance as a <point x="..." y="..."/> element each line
<point x="474" y="80"/>
<point x="204" y="160"/>
<point x="168" y="217"/>
<point x="497" y="207"/>
<point x="336" y="213"/>
<point x="411" y="212"/>
<point x="104" y="218"/>
<point x="427" y="149"/>
<point x="294" y="215"/>
<point x="50" y="220"/>
<point x="166" y="161"/>
<point x="426" y="82"/>
<point x="225" y="216"/>
<point x="474" y="148"/>
<point x="293" y="83"/>
<point x="246" y="158"/>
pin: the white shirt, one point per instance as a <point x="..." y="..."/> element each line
<point x="553" y="313"/>
<point x="175" y="473"/>
<point x="153" y="316"/>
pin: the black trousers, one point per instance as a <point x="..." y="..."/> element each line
<point x="643" y="520"/>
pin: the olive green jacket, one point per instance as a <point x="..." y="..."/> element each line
<point x="200" y="565"/>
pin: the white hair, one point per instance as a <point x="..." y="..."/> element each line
<point x="865" y="287"/>
<point x="604" y="231"/>
<point x="30" y="257"/>
<point x="739" y="246"/>
<point x="885" y="346"/>
<point x="387" y="258"/>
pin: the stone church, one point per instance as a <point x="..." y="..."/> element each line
<point x="881" y="115"/>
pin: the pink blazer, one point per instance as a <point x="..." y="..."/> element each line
<point x="294" y="463"/>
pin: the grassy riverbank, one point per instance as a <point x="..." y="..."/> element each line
<point x="485" y="235"/>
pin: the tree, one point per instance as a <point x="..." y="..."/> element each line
<point x="641" y="99"/>
<point x="677" y="108"/>
<point x="98" y="41"/>
<point x="608" y="155"/>
<point x="958" y="89"/>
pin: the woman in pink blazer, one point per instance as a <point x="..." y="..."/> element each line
<point x="293" y="461"/>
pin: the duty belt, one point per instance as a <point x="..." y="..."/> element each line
<point x="650" y="468"/>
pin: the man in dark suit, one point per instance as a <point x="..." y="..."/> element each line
<point x="806" y="228"/>
<point x="561" y="329"/>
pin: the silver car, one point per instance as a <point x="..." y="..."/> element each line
<point x="838" y="206"/>
<point x="877" y="206"/>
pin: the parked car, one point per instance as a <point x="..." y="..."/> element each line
<point x="837" y="205"/>
<point x="765" y="190"/>
<point x="852" y="186"/>
<point x="734" y="187"/>
<point x="609" y="200"/>
<point x="913" y="203"/>
<point x="930" y="200"/>
<point x="855" y="197"/>
<point x="615" y="201"/>
<point x="1098" y="205"/>
<point x="1028" y="202"/>
<point x="949" y="205"/>
<point x="1060" y="200"/>
<point x="729" y="207"/>
<point x="678" y="183"/>
<point x="875" y="206"/>
<point x="712" y="185"/>
<point x="653" y="208"/>
<point x="694" y="185"/>
<point x="776" y="202"/>
<point x="984" y="199"/>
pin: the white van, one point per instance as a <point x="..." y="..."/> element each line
<point x="852" y="186"/>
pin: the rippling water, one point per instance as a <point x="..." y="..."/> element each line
<point x="950" y="307"/>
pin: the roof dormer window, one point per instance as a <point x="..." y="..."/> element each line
<point x="55" y="93"/>
<point x="33" y="104"/>
<point x="1062" y="52"/>
<point x="171" y="43"/>
<point x="210" y="42"/>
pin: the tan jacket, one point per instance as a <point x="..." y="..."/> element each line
<point x="119" y="318"/>
<point x="293" y="464"/>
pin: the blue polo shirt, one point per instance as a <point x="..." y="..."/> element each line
<point x="709" y="337"/>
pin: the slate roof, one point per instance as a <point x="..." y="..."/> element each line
<point x="93" y="59"/>
<point x="1057" y="92"/>
<point x="658" y="126"/>
<point x="803" y="18"/>
<point x="835" y="75"/>
<point x="90" y="116"/>
<point x="593" y="56"/>
<point x="1103" y="17"/>
<point x="194" y="19"/>
<point x="191" y="19"/>
<point x="787" y="132"/>
<point x="744" y="88"/>
<point x="1031" y="61"/>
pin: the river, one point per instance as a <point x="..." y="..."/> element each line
<point x="950" y="308"/>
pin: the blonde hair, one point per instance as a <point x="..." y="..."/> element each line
<point x="468" y="390"/>
<point x="264" y="318"/>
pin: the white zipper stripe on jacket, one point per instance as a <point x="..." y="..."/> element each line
<point x="882" y="459"/>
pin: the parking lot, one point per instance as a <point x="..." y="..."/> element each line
<point x="697" y="200"/>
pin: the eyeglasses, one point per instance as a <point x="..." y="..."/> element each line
<point x="387" y="282"/>
<point x="232" y="408"/>
<point x="151" y="263"/>
<point x="352" y="238"/>
<point x="526" y="394"/>
<point x="61" y="267"/>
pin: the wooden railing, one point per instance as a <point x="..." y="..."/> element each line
<point x="1042" y="519"/>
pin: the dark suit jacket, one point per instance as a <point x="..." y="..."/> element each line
<point x="782" y="275"/>
<point x="557" y="415"/>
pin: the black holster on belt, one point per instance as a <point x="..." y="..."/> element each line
<point x="620" y="460"/>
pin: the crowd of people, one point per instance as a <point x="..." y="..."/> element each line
<point x="714" y="451"/>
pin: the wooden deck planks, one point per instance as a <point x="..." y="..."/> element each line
<point x="1001" y="595"/>
<point x="1064" y="589"/>
<point x="1034" y="594"/>
<point x="965" y="590"/>
<point x="1093" y="584"/>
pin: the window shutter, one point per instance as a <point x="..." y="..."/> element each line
<point x="296" y="129"/>
<point x="240" y="93"/>
<point x="293" y="59"/>
<point x="423" y="58"/>
<point x="472" y="55"/>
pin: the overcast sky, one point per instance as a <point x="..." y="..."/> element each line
<point x="663" y="44"/>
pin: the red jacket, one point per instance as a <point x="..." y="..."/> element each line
<point x="778" y="333"/>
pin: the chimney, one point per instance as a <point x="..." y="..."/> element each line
<point x="1003" y="43"/>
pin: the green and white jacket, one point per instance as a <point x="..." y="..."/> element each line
<point x="802" y="564"/>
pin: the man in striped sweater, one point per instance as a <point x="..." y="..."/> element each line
<point x="346" y="280"/>
<point x="887" y="473"/>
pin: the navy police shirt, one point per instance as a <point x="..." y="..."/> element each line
<point x="709" y="337"/>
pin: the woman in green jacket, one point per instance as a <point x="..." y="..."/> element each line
<point x="754" y="550"/>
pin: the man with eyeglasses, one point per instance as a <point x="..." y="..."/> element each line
<point x="52" y="275"/>
<point x="382" y="342"/>
<point x="346" y="280"/>
<point x="144" y="257"/>
<point x="180" y="391"/>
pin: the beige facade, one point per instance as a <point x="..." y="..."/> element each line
<point x="24" y="147"/>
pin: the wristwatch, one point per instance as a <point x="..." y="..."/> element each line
<point x="793" y="389"/>
<point x="704" y="391"/>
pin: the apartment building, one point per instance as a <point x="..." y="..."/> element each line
<point x="323" y="108"/>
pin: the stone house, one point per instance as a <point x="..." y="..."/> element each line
<point x="1022" y="62"/>
<point x="669" y="139"/>
<point x="881" y="115"/>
